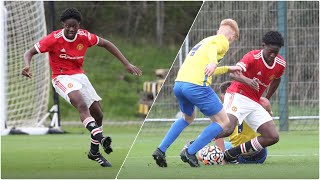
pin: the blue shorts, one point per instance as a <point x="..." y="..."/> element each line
<point x="190" y="95"/>
<point x="258" y="158"/>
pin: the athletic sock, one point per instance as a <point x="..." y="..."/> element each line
<point x="92" y="126"/>
<point x="94" y="146"/>
<point x="210" y="132"/>
<point x="174" y="131"/>
<point x="247" y="147"/>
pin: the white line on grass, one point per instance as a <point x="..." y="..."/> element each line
<point x="269" y="155"/>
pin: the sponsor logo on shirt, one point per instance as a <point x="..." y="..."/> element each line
<point x="66" y="56"/>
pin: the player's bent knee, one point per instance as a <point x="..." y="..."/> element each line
<point x="273" y="139"/>
<point x="228" y="129"/>
<point x="228" y="132"/>
<point x="189" y="119"/>
<point x="82" y="107"/>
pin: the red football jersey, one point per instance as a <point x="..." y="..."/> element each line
<point x="66" y="56"/>
<point x="254" y="66"/>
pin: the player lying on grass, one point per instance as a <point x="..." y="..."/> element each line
<point x="192" y="88"/>
<point x="243" y="133"/>
<point x="67" y="48"/>
<point x="261" y="69"/>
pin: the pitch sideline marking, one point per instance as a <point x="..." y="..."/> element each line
<point x="269" y="155"/>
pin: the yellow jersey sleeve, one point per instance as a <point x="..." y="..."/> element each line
<point x="210" y="49"/>
<point x="221" y="70"/>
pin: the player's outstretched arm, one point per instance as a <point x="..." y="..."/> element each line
<point x="273" y="87"/>
<point x="117" y="53"/>
<point x="253" y="83"/>
<point x="227" y="69"/>
<point x="27" y="57"/>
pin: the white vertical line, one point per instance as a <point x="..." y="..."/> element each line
<point x="3" y="69"/>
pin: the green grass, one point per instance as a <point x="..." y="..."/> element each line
<point x="295" y="156"/>
<point x="62" y="156"/>
<point x="119" y="90"/>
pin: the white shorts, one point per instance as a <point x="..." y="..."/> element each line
<point x="246" y="109"/>
<point x="64" y="84"/>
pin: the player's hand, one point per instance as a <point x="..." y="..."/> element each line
<point x="235" y="69"/>
<point x="26" y="72"/>
<point x="254" y="83"/>
<point x="133" y="70"/>
<point x="210" y="68"/>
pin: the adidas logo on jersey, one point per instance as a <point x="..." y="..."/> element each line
<point x="259" y="73"/>
<point x="63" y="50"/>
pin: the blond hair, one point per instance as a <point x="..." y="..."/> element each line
<point x="233" y="24"/>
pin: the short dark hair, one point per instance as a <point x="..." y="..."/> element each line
<point x="224" y="86"/>
<point x="273" y="38"/>
<point x="71" y="13"/>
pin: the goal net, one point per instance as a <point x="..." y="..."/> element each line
<point x="25" y="100"/>
<point x="254" y="19"/>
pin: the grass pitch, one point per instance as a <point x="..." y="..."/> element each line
<point x="62" y="156"/>
<point x="295" y="156"/>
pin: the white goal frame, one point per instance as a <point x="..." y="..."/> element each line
<point x="36" y="124"/>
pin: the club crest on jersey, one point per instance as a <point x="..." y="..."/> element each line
<point x="234" y="109"/>
<point x="271" y="77"/>
<point x="80" y="47"/>
<point x="70" y="85"/>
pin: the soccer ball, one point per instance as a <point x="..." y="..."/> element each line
<point x="211" y="155"/>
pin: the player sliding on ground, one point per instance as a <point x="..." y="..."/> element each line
<point x="192" y="88"/>
<point x="261" y="69"/>
<point x="67" y="48"/>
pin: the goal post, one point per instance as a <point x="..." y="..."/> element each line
<point x="25" y="100"/>
<point x="3" y="54"/>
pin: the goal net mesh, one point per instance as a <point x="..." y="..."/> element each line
<point x="27" y="99"/>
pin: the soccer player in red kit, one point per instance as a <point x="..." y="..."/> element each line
<point x="67" y="48"/>
<point x="260" y="69"/>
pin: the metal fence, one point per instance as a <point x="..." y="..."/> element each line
<point x="254" y="20"/>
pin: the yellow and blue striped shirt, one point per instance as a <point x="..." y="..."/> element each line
<point x="210" y="49"/>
